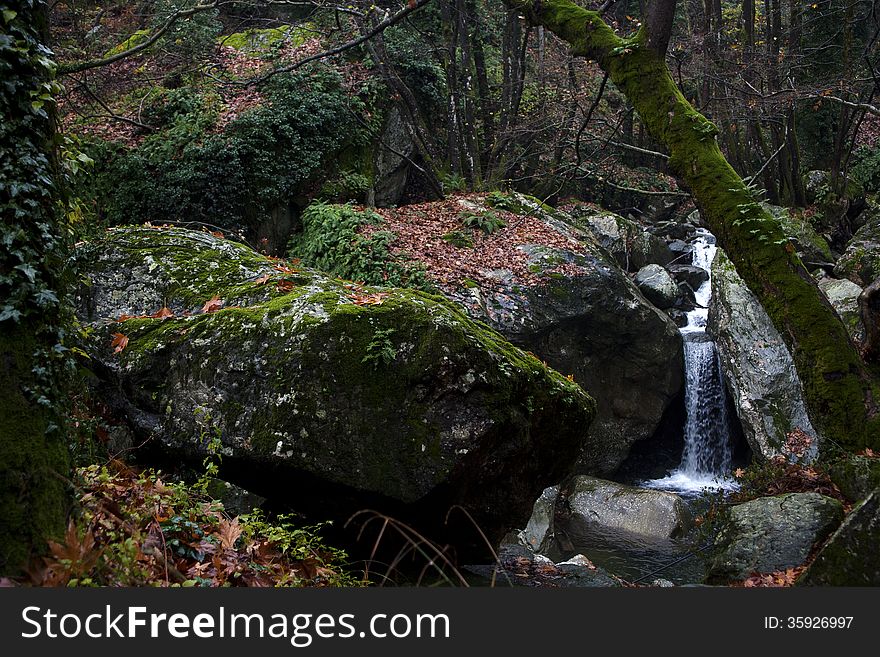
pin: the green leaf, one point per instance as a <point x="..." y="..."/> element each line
<point x="9" y="15"/>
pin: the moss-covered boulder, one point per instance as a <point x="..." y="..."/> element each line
<point x="811" y="247"/>
<point x="860" y="261"/>
<point x="850" y="557"/>
<point x="856" y="475"/>
<point x="327" y="395"/>
<point x="772" y="533"/>
<point x="760" y="373"/>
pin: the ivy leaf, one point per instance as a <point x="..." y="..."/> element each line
<point x="9" y="312"/>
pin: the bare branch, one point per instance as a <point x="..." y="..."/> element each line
<point x="76" y="67"/>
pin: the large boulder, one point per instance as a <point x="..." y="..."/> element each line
<point x="758" y="368"/>
<point x="769" y="534"/>
<point x="657" y="285"/>
<point x="630" y="245"/>
<point x="860" y="261"/>
<point x="843" y="294"/>
<point x="607" y="505"/>
<point x="583" y="315"/>
<point x="850" y="557"/>
<point x="328" y="395"/>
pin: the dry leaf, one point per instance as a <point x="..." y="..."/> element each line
<point x="163" y="313"/>
<point x="119" y="342"/>
<point x="213" y="304"/>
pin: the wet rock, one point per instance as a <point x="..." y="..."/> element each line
<point x="856" y="476"/>
<point x="772" y="533"/>
<point x="692" y="275"/>
<point x="538" y="533"/>
<point x="850" y="557"/>
<point x="323" y="400"/>
<point x="758" y="368"/>
<point x="657" y="285"/>
<point x="843" y="295"/>
<point x="609" y="505"/>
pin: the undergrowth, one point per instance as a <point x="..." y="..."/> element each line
<point x="134" y="528"/>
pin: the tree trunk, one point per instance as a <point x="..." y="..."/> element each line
<point x="839" y="390"/>
<point x="33" y="446"/>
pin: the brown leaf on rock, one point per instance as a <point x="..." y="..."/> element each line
<point x="213" y="304"/>
<point x="162" y="313"/>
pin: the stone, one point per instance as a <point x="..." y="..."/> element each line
<point x="757" y="366"/>
<point x="612" y="506"/>
<point x="692" y="275"/>
<point x="391" y="168"/>
<point x="538" y="533"/>
<point x="843" y="295"/>
<point x="850" y="557"/>
<point x="630" y="245"/>
<point x="812" y="247"/>
<point x="856" y="476"/>
<point x="592" y="323"/>
<point x="860" y="261"/>
<point x="657" y="285"/>
<point x="322" y="401"/>
<point x="769" y="534"/>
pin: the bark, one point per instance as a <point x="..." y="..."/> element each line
<point x="839" y="389"/>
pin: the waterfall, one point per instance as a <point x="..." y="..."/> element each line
<point x="705" y="462"/>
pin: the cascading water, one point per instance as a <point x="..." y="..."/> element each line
<point x="705" y="462"/>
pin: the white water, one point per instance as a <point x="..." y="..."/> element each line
<point x="705" y="462"/>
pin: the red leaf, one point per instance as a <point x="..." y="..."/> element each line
<point x="213" y="304"/>
<point x="119" y="342"/>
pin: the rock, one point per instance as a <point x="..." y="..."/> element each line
<point x="843" y="295"/>
<point x="236" y="500"/>
<point x="682" y="251"/>
<point x="811" y="247"/>
<point x="850" y="557"/>
<point x="391" y="167"/>
<point x="692" y="275"/>
<point x="657" y="285"/>
<point x="327" y="395"/>
<point x="860" y="261"/>
<point x="539" y="531"/>
<point x="590" y="322"/>
<point x="758" y="368"/>
<point x="517" y="566"/>
<point x="856" y="476"/>
<point x="631" y="246"/>
<point x="772" y="533"/>
<point x="651" y="513"/>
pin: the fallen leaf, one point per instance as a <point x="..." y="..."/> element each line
<point x="374" y="299"/>
<point x="213" y="304"/>
<point x="228" y="533"/>
<point x="285" y="286"/>
<point x="262" y="280"/>
<point x="163" y="313"/>
<point x="119" y="342"/>
<point x="739" y="473"/>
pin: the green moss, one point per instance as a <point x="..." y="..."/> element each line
<point x="135" y="39"/>
<point x="265" y="40"/>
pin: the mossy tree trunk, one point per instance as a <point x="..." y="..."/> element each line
<point x="839" y="389"/>
<point x="33" y="446"/>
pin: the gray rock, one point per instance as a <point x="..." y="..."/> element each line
<point x="843" y="295"/>
<point x="330" y="405"/>
<point x="236" y="500"/>
<point x="690" y="274"/>
<point x="757" y="365"/>
<point x="772" y="533"/>
<point x="850" y="557"/>
<point x="811" y="247"/>
<point x="860" y="261"/>
<point x="390" y="169"/>
<point x="682" y="251"/>
<point x="539" y="531"/>
<point x="657" y="285"/>
<point x="594" y="325"/>
<point x="609" y="505"/>
<point x="631" y="246"/>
